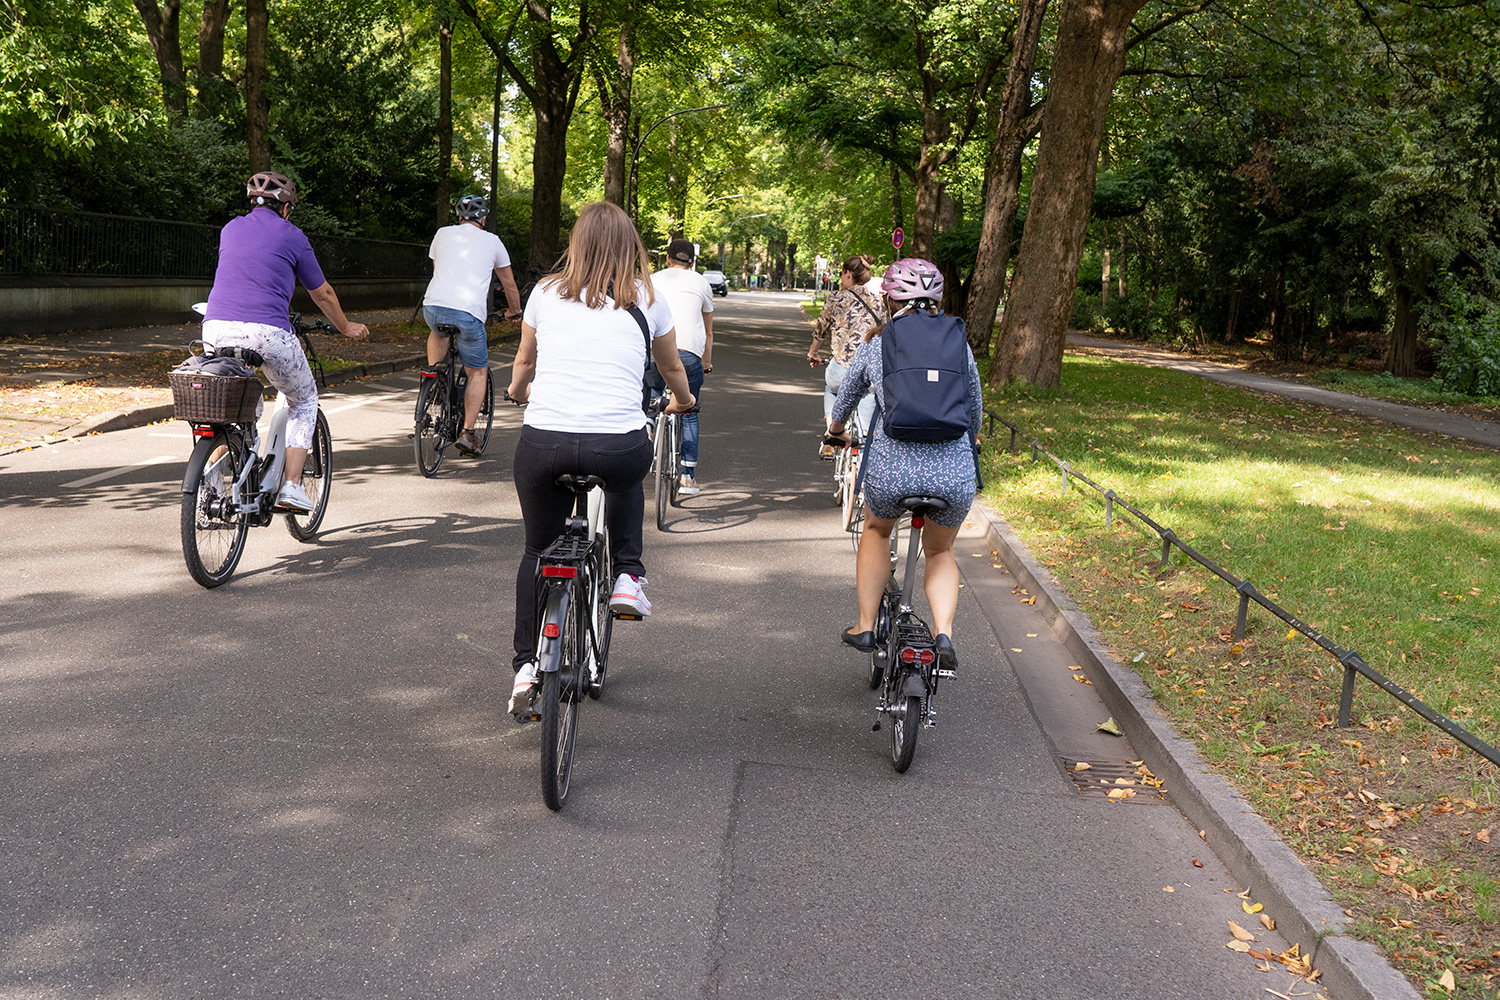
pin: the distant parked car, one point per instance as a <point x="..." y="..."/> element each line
<point x="717" y="282"/>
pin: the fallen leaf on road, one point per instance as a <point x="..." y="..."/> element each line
<point x="1446" y="981"/>
<point x="1252" y="907"/>
<point x="1122" y="793"/>
<point x="1197" y="863"/>
<point x="1268" y="923"/>
<point x="1240" y="932"/>
<point x="1483" y="836"/>
<point x="1082" y="765"/>
<point x="1109" y="726"/>
<point x="1167" y="888"/>
<point x="1237" y="946"/>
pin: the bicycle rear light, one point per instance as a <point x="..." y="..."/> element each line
<point x="562" y="572"/>
<point x="551" y="631"/>
<point x="917" y="522"/>
<point x="203" y="431"/>
<point x="923" y="656"/>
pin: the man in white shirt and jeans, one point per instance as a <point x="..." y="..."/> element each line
<point x="691" y="299"/>
<point x="458" y="295"/>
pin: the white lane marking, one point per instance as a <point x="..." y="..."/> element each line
<point x="179" y="435"/>
<point x="364" y="402"/>
<point x="98" y="477"/>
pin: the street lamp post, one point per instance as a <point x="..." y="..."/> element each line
<point x="635" y="154"/>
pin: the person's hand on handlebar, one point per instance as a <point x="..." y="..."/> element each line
<point x="677" y="406"/>
<point x="518" y="394"/>
<point x="356" y="331"/>
<point x="512" y="317"/>
<point x="841" y="433"/>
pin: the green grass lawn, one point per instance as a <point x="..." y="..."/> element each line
<point x="1385" y="540"/>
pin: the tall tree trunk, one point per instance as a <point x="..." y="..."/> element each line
<point x="929" y="178"/>
<point x="162" y="31"/>
<point x="1087" y="60"/>
<point x="614" y="99"/>
<point x="1002" y="179"/>
<point x="1401" y="357"/>
<point x="257" y="104"/>
<point x="211" y="84"/>
<point x="445" y="119"/>
<point x="677" y="184"/>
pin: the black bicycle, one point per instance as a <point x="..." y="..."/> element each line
<point x="574" y="577"/>
<point x="440" y="407"/>
<point x="904" y="663"/>
<point x="233" y="476"/>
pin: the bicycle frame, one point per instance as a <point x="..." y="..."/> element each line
<point x="564" y="560"/>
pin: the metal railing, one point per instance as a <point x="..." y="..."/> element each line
<point x="42" y="242"/>
<point x="1350" y="660"/>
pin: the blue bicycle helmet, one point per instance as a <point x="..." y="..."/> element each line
<point x="472" y="208"/>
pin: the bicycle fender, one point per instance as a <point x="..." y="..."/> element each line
<point x="913" y="686"/>
<point x="195" y="465"/>
<point x="549" y="652"/>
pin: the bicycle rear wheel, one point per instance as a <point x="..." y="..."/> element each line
<point x="486" y="412"/>
<point x="559" y="707"/>
<point x="213" y="534"/>
<point x="317" y="476"/>
<point x="428" y="441"/>
<point x="906" y="717"/>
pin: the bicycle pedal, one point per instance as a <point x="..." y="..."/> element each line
<point x="625" y="616"/>
<point x="947" y="673"/>
<point x="529" y="715"/>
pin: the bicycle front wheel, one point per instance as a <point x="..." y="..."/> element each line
<point x="486" y="412"/>
<point x="432" y="418"/>
<point x="664" y="442"/>
<point x="317" y="476"/>
<point x="213" y="533"/>
<point x="604" y="621"/>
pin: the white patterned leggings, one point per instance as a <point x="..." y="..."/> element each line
<point x="285" y="368"/>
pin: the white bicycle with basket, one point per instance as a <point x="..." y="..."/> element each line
<point x="234" y="474"/>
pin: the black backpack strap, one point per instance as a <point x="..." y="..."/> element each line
<point x="640" y="319"/>
<point x="860" y="299"/>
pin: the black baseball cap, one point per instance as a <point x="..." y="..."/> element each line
<point x="681" y="251"/>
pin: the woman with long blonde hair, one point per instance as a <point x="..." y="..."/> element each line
<point x="579" y="366"/>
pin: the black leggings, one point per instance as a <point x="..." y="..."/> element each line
<point x="541" y="456"/>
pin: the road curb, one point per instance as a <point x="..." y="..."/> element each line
<point x="1255" y="854"/>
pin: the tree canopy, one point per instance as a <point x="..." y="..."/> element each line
<point x="1299" y="172"/>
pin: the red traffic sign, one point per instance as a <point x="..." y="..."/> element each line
<point x="897" y="238"/>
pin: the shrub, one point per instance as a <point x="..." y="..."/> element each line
<point x="1468" y="330"/>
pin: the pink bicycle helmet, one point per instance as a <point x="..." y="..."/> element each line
<point x="267" y="187"/>
<point x="912" y="278"/>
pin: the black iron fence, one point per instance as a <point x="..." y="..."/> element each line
<point x="44" y="242"/>
<point x="1353" y="664"/>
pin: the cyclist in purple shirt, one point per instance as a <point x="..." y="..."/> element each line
<point x="262" y="257"/>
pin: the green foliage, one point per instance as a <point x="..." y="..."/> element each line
<point x="1469" y="331"/>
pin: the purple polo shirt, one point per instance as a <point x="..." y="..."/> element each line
<point x="261" y="258"/>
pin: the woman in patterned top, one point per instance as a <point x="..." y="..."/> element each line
<point x="849" y="314"/>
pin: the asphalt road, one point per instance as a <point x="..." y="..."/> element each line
<point x="304" y="784"/>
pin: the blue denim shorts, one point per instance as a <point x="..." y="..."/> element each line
<point x="473" y="346"/>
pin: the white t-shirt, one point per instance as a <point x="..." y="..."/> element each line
<point x="463" y="257"/>
<point x="874" y="284"/>
<point x="589" y="363"/>
<point x="689" y="295"/>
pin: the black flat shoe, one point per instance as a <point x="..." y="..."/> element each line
<point x="862" y="641"/>
<point x="947" y="656"/>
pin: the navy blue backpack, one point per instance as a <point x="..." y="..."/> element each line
<point x="925" y="378"/>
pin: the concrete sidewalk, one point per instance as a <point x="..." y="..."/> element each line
<point x="23" y="426"/>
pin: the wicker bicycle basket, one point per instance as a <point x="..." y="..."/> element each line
<point x="214" y="399"/>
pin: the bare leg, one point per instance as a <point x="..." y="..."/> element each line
<point x="473" y="395"/>
<point x="872" y="567"/>
<point x="941" y="577"/>
<point x="295" y="457"/>
<point x="437" y="347"/>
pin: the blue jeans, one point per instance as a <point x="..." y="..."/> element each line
<point x="473" y="346"/>
<point x="833" y="377"/>
<point x="689" y="421"/>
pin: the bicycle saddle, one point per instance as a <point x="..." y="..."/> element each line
<point x="923" y="506"/>
<point x="579" y="484"/>
<point x="448" y="330"/>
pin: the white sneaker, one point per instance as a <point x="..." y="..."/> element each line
<point x="628" y="597"/>
<point x="293" y="497"/>
<point x="687" y="486"/>
<point x="520" y="692"/>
